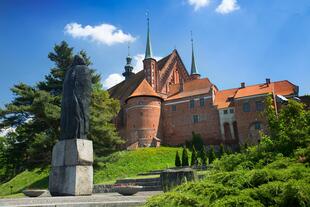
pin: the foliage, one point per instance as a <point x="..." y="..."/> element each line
<point x="221" y="151"/>
<point x="273" y="173"/>
<point x="211" y="155"/>
<point x="203" y="157"/>
<point x="289" y="128"/>
<point x="197" y="141"/>
<point x="177" y="161"/>
<point x="194" y="158"/>
<point x="185" y="157"/>
<point x="35" y="112"/>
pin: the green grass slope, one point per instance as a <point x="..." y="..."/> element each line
<point x="130" y="163"/>
<point x="122" y="164"/>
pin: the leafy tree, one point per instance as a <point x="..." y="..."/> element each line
<point x="185" y="157"/>
<point x="211" y="155"/>
<point x="35" y="112"/>
<point x="194" y="159"/>
<point x="289" y="129"/>
<point x="177" y="160"/>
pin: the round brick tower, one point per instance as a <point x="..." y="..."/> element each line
<point x="143" y="109"/>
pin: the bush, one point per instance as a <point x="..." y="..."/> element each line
<point x="211" y="155"/>
<point x="177" y="161"/>
<point x="185" y="157"/>
<point x="194" y="160"/>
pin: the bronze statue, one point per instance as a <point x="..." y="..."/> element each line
<point x="76" y="97"/>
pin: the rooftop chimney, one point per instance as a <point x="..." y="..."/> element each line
<point x="267" y="80"/>
<point x="242" y="85"/>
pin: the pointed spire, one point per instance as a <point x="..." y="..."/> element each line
<point x="148" y="51"/>
<point x="193" y="66"/>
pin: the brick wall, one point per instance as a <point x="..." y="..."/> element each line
<point x="178" y="125"/>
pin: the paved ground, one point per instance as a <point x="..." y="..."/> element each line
<point x="96" y="200"/>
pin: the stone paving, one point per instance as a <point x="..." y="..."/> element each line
<point x="96" y="200"/>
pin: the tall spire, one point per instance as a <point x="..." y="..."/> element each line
<point x="193" y="66"/>
<point x="148" y="51"/>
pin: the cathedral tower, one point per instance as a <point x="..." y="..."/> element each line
<point x="149" y="63"/>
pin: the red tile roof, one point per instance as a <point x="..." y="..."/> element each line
<point x="190" y="88"/>
<point x="222" y="98"/>
<point x="144" y="89"/>
<point x="284" y="88"/>
<point x="280" y="87"/>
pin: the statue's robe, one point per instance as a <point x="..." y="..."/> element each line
<point x="75" y="101"/>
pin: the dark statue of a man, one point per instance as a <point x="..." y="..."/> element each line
<point x="75" y="103"/>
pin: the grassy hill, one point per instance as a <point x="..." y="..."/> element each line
<point x="122" y="164"/>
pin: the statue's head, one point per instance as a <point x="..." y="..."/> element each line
<point x="78" y="60"/>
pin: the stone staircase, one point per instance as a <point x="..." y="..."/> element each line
<point x="148" y="184"/>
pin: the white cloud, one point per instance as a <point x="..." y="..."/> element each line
<point x="104" y="33"/>
<point x="116" y="78"/>
<point x="227" y="6"/>
<point x="197" y="4"/>
<point x="112" y="80"/>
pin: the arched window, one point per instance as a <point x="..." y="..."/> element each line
<point x="227" y="131"/>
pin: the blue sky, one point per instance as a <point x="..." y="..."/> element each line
<point x="235" y="40"/>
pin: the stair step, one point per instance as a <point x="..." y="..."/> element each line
<point x="129" y="180"/>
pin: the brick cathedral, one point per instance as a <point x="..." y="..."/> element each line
<point x="164" y="104"/>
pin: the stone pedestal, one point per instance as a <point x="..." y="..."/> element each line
<point x="173" y="177"/>
<point x="72" y="170"/>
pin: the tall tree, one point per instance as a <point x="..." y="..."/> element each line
<point x="35" y="112"/>
<point x="185" y="157"/>
<point x="177" y="161"/>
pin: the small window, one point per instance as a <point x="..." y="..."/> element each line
<point x="246" y="107"/>
<point x="191" y="104"/>
<point x="257" y="126"/>
<point x="174" y="107"/>
<point x="225" y="111"/>
<point x="231" y="111"/>
<point x="202" y="102"/>
<point x="195" y="119"/>
<point x="259" y="106"/>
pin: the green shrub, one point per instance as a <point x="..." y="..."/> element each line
<point x="185" y="157"/>
<point x="177" y="161"/>
<point x="194" y="160"/>
<point x="237" y="201"/>
<point x="211" y="155"/>
<point x="258" y="178"/>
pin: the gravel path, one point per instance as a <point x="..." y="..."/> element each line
<point x="104" y="199"/>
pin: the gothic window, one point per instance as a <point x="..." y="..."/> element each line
<point x="195" y="119"/>
<point x="246" y="107"/>
<point x="227" y="131"/>
<point x="192" y="104"/>
<point x="202" y="102"/>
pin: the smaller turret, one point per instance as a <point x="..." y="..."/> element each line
<point x="128" y="67"/>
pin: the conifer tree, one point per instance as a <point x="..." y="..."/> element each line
<point x="35" y="112"/>
<point x="221" y="151"/>
<point x="185" y="157"/>
<point x="211" y="155"/>
<point x="203" y="157"/>
<point x="194" y="160"/>
<point x="177" y="161"/>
